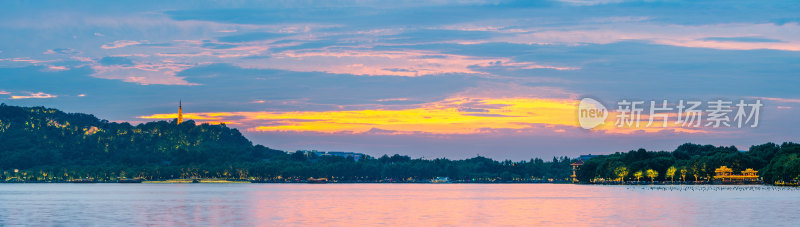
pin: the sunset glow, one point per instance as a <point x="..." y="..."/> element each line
<point x="451" y="116"/>
<point x="345" y="75"/>
<point x="399" y="113"/>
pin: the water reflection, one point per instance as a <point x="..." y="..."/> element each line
<point x="393" y="204"/>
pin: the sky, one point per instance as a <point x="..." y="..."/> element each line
<point x="455" y="79"/>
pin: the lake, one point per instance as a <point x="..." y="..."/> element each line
<point x="395" y="204"/>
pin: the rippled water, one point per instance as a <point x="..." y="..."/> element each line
<point x="395" y="204"/>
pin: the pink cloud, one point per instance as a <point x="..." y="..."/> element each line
<point x="389" y="63"/>
<point x="119" y="44"/>
<point x="144" y="73"/>
<point x="57" y="68"/>
<point x="38" y="95"/>
<point x="25" y="59"/>
<point x="674" y="35"/>
<point x="784" y="100"/>
<point x="393" y="99"/>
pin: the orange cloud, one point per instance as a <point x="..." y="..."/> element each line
<point x="450" y="116"/>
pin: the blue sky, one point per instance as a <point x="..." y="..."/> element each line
<point x="424" y="78"/>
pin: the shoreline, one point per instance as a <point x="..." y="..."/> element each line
<point x="349" y="182"/>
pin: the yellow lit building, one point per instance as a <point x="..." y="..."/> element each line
<point x="725" y="175"/>
<point x="578" y="164"/>
<point x="575" y="166"/>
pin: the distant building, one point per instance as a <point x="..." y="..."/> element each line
<point x="586" y="157"/>
<point x="355" y="156"/>
<point x="440" y="180"/>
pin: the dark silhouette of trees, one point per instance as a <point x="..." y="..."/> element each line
<point x="48" y="144"/>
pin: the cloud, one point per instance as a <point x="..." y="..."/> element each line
<point x="366" y="60"/>
<point x="249" y="37"/>
<point x="388" y="62"/>
<point x="594" y="2"/>
<point x="65" y="51"/>
<point x="119" y="44"/>
<point x="734" y="36"/>
<point x="452" y="116"/>
<point x="783" y="100"/>
<point x="744" y="39"/>
<point x="392" y="99"/>
<point x="438" y="35"/>
<point x="57" y="68"/>
<point x="141" y="73"/>
<point x="115" y="61"/>
<point x="38" y="95"/>
<point x="442" y="117"/>
<point x="218" y="46"/>
<point x="26" y="60"/>
<point x="381" y="131"/>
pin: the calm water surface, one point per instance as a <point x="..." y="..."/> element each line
<point x="395" y="204"/>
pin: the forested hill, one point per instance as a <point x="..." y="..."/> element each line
<point x="43" y="144"/>
<point x="39" y="136"/>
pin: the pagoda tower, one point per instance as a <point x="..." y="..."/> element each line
<point x="180" y="113"/>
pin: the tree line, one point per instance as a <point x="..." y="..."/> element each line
<point x="694" y="162"/>
<point x="44" y="144"/>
